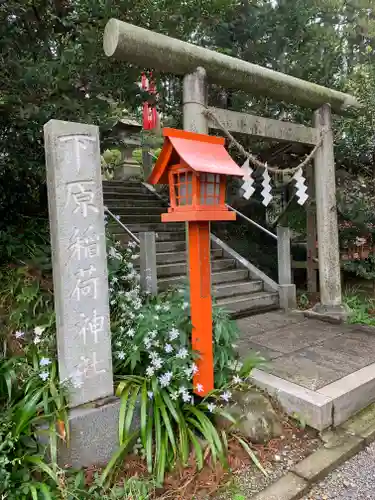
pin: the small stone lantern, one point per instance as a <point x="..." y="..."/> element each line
<point x="128" y="131"/>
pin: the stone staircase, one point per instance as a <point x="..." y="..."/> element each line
<point x="140" y="209"/>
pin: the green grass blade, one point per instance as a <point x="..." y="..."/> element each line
<point x="198" y="449"/>
<point x="122" y="413"/>
<point x="159" y="401"/>
<point x="144" y="405"/>
<point x="45" y="491"/>
<point x="39" y="464"/>
<point x="149" y="443"/>
<point x="251" y="454"/>
<point x="171" y="407"/>
<point x="33" y="491"/>
<point x="162" y="458"/>
<point x="131" y="408"/>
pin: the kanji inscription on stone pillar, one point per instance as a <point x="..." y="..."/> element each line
<point x="79" y="259"/>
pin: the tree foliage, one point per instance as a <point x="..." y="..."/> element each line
<point x="53" y="66"/>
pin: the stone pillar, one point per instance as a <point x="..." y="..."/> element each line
<point x="195" y="101"/>
<point x="147" y="260"/>
<point x="311" y="251"/>
<point x="287" y="290"/>
<point x="79" y="259"/>
<point x="327" y="228"/>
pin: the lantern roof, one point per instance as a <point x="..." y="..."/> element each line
<point x="200" y="152"/>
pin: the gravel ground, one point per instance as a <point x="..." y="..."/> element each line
<point x="354" y="480"/>
<point x="248" y="481"/>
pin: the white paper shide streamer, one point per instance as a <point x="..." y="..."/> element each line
<point x="266" y="191"/>
<point x="300" y="187"/>
<point x="247" y="186"/>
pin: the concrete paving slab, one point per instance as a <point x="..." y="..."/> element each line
<point x="329" y="358"/>
<point x="303" y="371"/>
<point x="289" y="487"/>
<point x="292" y="338"/>
<point x="245" y="347"/>
<point x="267" y="322"/>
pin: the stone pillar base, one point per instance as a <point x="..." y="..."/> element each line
<point x="287" y="297"/>
<point x="93" y="434"/>
<point x="331" y="314"/>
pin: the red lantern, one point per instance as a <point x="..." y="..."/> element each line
<point x="196" y="166"/>
<point x="150" y="115"/>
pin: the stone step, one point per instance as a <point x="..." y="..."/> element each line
<point x="118" y="195"/>
<point x="250" y="304"/>
<point x="216" y="277"/>
<point x="140" y="219"/>
<point x="149" y="203"/>
<point x="122" y="183"/>
<point x="226" y="290"/>
<point x="168" y="236"/>
<point x="180" y="268"/>
<point x="170" y="246"/>
<point x="175" y="257"/>
<point x="157" y="227"/>
<point x="137" y="210"/>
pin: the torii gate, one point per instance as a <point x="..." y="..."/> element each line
<point x="146" y="48"/>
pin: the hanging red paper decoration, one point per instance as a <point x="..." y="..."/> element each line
<point x="150" y="115"/>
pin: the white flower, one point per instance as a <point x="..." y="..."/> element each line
<point x="157" y="363"/>
<point x="226" y="396"/>
<point x="111" y="290"/>
<point x="130" y="265"/>
<point x="131" y="315"/>
<point x="118" y="344"/>
<point x="37" y="340"/>
<point x="168" y="348"/>
<point x="166" y="307"/>
<point x="153" y="334"/>
<point x="121" y="355"/>
<point x="165" y="379"/>
<point x="114" y="254"/>
<point x="150" y="394"/>
<point x="44" y="362"/>
<point x="194" y="368"/>
<point x="135" y="256"/>
<point x="19" y="334"/>
<point x="44" y="375"/>
<point x="211" y="407"/>
<point x="150" y="371"/>
<point x="38" y="331"/>
<point x="174" y="395"/>
<point x="186" y="398"/>
<point x="132" y="244"/>
<point x="153" y="355"/>
<point x="157" y="307"/>
<point x="117" y="217"/>
<point x="185" y="305"/>
<point x="141" y="316"/>
<point x="156" y="317"/>
<point x="113" y="302"/>
<point x="237" y="379"/>
<point x="174" y="334"/>
<point x="156" y="343"/>
<point x="182" y="389"/>
<point x="199" y="388"/>
<point x="182" y="353"/>
<point x="114" y="279"/>
<point x="130" y="332"/>
<point x="147" y="342"/>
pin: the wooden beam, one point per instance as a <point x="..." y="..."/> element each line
<point x="257" y="126"/>
<point x="148" y="49"/>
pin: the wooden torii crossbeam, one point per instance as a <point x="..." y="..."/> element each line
<point x="146" y="48"/>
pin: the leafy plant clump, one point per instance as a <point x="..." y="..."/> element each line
<point x="154" y="368"/>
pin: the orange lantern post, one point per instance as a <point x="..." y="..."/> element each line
<point x="195" y="166"/>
